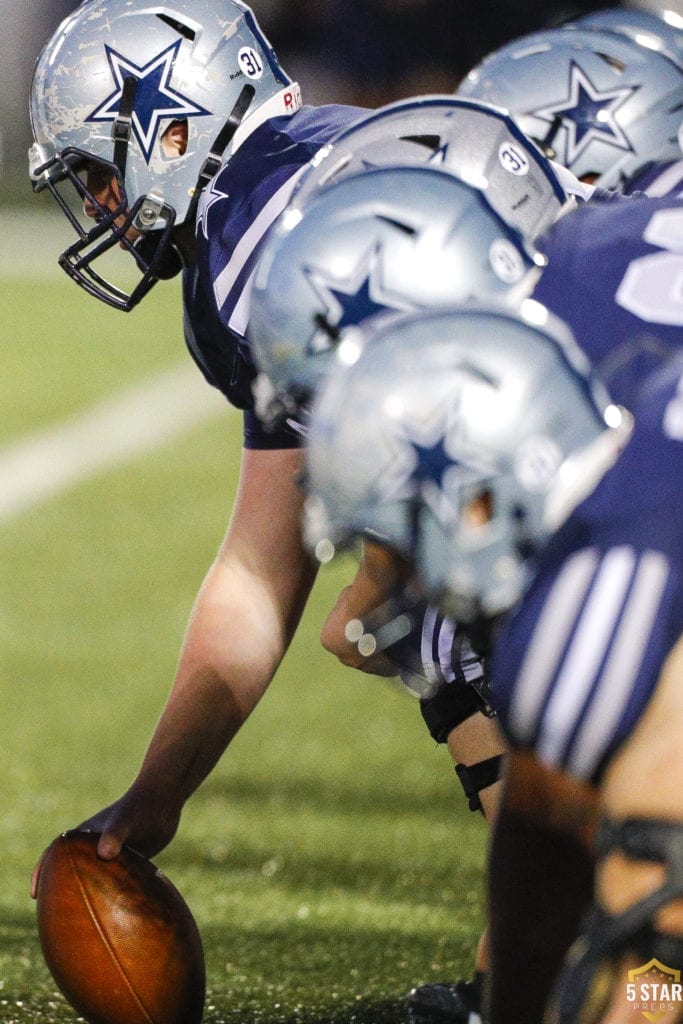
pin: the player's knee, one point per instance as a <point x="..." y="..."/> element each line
<point x="641" y="859"/>
<point x="451" y="705"/>
<point x="638" y="912"/>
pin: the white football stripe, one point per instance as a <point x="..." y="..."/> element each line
<point x="445" y="648"/>
<point x="225" y="281"/>
<point x="548" y="641"/>
<point x="115" y="430"/>
<point x="586" y="652"/>
<point x="623" y="665"/>
<point x="427" y="642"/>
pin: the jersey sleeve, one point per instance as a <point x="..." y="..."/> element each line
<point x="578" y="661"/>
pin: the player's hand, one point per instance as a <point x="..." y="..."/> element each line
<point x="138" y="820"/>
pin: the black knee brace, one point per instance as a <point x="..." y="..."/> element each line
<point x="452" y="704"/>
<point x="605" y="938"/>
<point x="475" y="777"/>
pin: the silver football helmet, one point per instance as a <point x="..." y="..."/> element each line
<point x="656" y="27"/>
<point x="597" y="102"/>
<point x="478" y="142"/>
<point x="463" y="437"/>
<point x="110" y="82"/>
<point x="389" y="239"/>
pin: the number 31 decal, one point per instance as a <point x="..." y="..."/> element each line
<point x="652" y="287"/>
<point x="250" y="62"/>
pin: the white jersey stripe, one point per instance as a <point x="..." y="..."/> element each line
<point x="426" y="643"/>
<point x="548" y="641"/>
<point x="445" y="642"/>
<point x="240" y="314"/>
<point x="623" y="665"/>
<point x="669" y="180"/>
<point x="225" y="281"/>
<point x="582" y="662"/>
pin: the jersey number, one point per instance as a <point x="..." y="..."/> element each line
<point x="652" y="287"/>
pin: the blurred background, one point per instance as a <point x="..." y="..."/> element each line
<point x="367" y="52"/>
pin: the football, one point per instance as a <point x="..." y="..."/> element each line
<point x="117" y="936"/>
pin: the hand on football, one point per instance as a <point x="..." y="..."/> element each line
<point x="139" y="820"/>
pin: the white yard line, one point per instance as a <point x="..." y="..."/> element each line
<point x="115" y="430"/>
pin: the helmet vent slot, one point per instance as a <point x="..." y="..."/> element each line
<point x="183" y="30"/>
<point x="429" y="141"/>
<point x="613" y="62"/>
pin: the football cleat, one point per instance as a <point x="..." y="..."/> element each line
<point x="447" y="1003"/>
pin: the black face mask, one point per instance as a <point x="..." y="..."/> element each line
<point x="154" y="252"/>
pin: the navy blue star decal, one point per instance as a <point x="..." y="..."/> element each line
<point x="588" y="114"/>
<point x="356" y="306"/>
<point x="155" y="99"/>
<point x="348" y="300"/>
<point x="433" y="461"/>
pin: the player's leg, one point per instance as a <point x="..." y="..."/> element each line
<point x="639" y="875"/>
<point x="477" y="748"/>
<point x="540" y="882"/>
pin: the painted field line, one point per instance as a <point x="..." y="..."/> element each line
<point x="115" y="430"/>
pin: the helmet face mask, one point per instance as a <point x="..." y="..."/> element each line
<point x="117" y="227"/>
<point x="114" y="78"/>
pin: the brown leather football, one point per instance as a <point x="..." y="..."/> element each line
<point x="117" y="936"/>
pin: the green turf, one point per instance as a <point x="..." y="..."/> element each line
<point x="330" y="861"/>
<point x="60" y="352"/>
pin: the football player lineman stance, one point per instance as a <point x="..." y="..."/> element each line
<point x="171" y="131"/>
<point x="482" y="447"/>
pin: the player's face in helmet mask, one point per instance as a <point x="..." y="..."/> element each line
<point x="155" y="95"/>
<point x="102" y="194"/>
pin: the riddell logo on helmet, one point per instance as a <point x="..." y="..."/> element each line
<point x="654" y="990"/>
<point x="292" y="97"/>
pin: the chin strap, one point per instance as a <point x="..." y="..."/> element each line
<point x="121" y="129"/>
<point x="212" y="164"/>
<point x="170" y="262"/>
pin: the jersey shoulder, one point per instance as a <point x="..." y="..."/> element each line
<point x="658" y="179"/>
<point x="611" y="276"/>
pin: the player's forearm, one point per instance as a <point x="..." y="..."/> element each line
<point x="235" y="641"/>
<point x="198" y="723"/>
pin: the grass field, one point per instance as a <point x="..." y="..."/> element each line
<point x="330" y="860"/>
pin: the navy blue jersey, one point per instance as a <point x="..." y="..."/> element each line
<point x="614" y="275"/>
<point x="658" y="179"/>
<point x="576" y="664"/>
<point x="234" y="215"/>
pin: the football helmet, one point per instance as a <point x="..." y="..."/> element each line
<point x="388" y="239"/>
<point x="598" y="103"/>
<point x="463" y="438"/>
<point x="656" y="28"/>
<point x="478" y="142"/>
<point x="109" y="83"/>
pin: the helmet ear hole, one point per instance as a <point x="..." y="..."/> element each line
<point x="480" y="509"/>
<point x="174" y="139"/>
